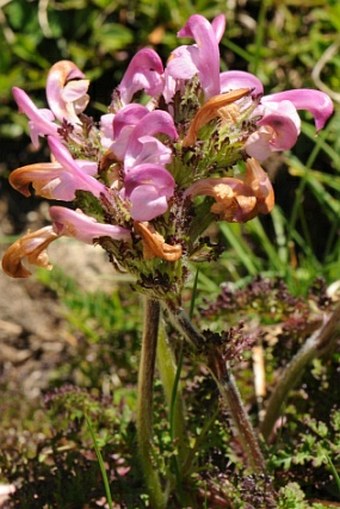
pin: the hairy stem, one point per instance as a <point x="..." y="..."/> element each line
<point x="316" y="345"/>
<point x="144" y="403"/>
<point x="227" y="387"/>
<point x="249" y="441"/>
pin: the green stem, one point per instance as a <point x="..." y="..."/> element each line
<point x="144" y="403"/>
<point x="170" y="375"/>
<point x="100" y="461"/>
<point x="259" y="37"/>
<point x="318" y="344"/>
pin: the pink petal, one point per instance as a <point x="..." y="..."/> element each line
<point x="282" y="117"/>
<point x="218" y="25"/>
<point x="151" y="151"/>
<point x="181" y="64"/>
<point x="88" y="167"/>
<point x="40" y="119"/>
<point x="81" y="180"/>
<point x="106" y="129"/>
<point x="154" y="122"/>
<point x="143" y="73"/>
<point x="150" y="174"/>
<point x="317" y="103"/>
<point x="171" y="85"/>
<point x="82" y="227"/>
<point x="148" y="187"/>
<point x="130" y="115"/>
<point x="147" y="203"/>
<point x="233" y="80"/>
<point x="207" y="56"/>
<point x="258" y="143"/>
<point x="66" y="98"/>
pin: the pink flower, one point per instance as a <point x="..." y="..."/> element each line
<point x="123" y="125"/>
<point x="134" y="128"/>
<point x="280" y="123"/>
<point x="66" y="91"/>
<point x="142" y="147"/>
<point x="148" y="188"/>
<point x="32" y="246"/>
<point x="50" y="180"/>
<point x="82" y="227"/>
<point x="202" y="58"/>
<point x="66" y="95"/>
<point x="74" y="175"/>
<point x="40" y="119"/>
<point x="279" y="129"/>
<point x="317" y="103"/>
<point x="145" y="72"/>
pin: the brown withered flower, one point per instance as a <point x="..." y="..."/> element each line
<point x="154" y="245"/>
<point x="211" y="109"/>
<point x="238" y="199"/>
<point x="31" y="246"/>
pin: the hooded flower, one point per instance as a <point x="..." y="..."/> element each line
<point x="66" y="95"/>
<point x="41" y="120"/>
<point x="32" y="246"/>
<point x="145" y="72"/>
<point x="148" y="187"/>
<point x="279" y="128"/>
<point x="134" y="130"/>
<point x="279" y="123"/>
<point x="202" y="58"/>
<point x="66" y="91"/>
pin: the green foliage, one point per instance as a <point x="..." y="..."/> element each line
<point x="292" y="497"/>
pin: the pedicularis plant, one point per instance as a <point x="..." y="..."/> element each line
<point x="181" y="146"/>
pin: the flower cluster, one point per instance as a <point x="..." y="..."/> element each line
<point x="171" y="134"/>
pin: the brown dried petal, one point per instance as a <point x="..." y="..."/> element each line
<point x="154" y="245"/>
<point x="209" y="111"/>
<point x="31" y="246"/>
<point x="259" y="182"/>
<point x="38" y="175"/>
